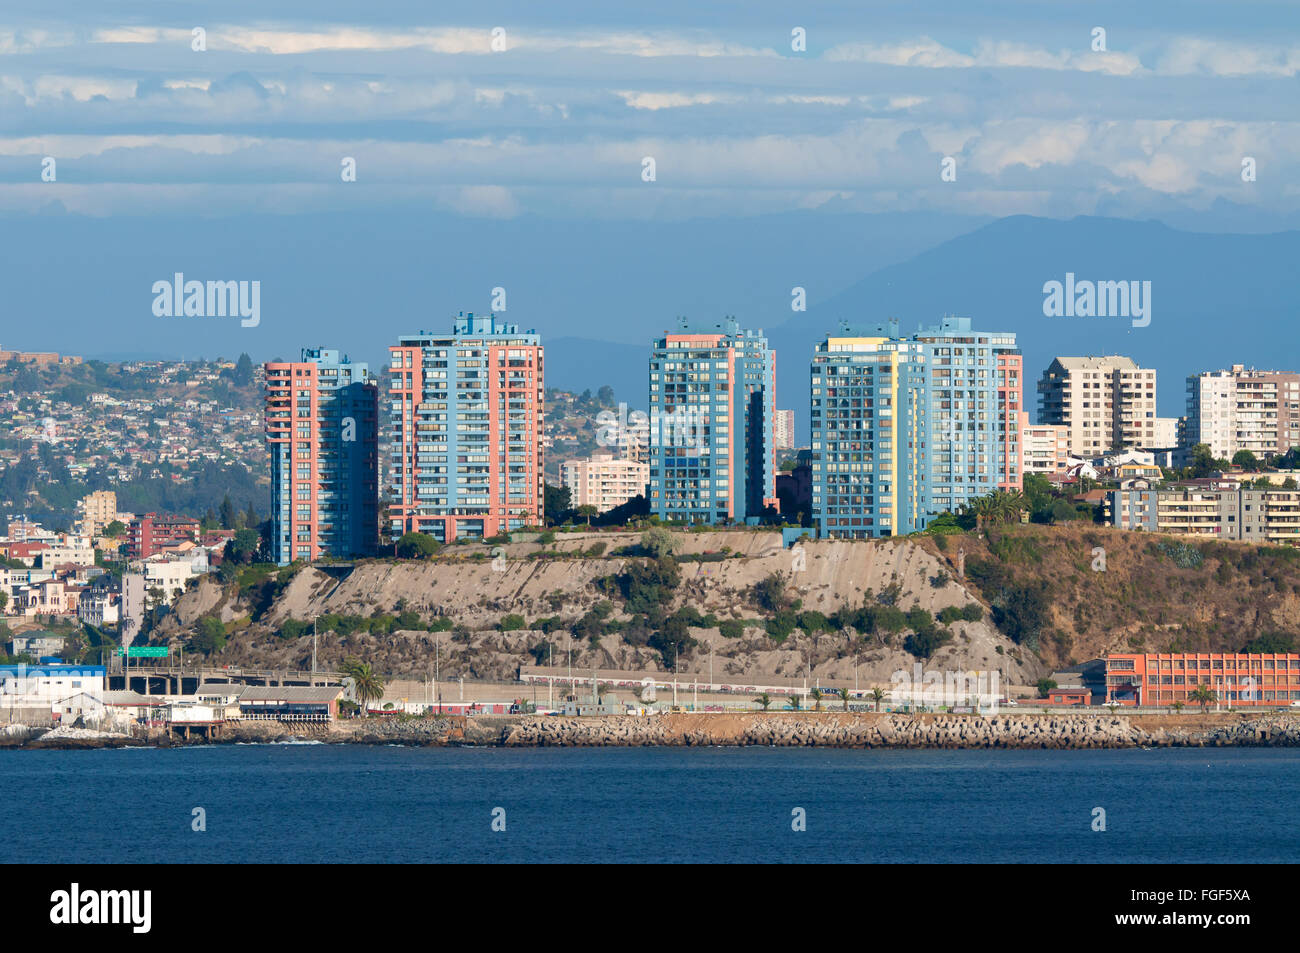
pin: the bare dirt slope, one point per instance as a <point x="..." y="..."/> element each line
<point x="464" y="586"/>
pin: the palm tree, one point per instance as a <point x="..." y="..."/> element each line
<point x="984" y="508"/>
<point x="817" y="698"/>
<point x="587" y="510"/>
<point x="877" y="696"/>
<point x="1010" y="504"/>
<point x="366" y="685"/>
<point x="1202" y="695"/>
<point x="794" y="702"/>
<point x="844" y="697"/>
<point x="764" y="699"/>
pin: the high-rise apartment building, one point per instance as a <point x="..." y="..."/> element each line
<point x="977" y="394"/>
<point x="1107" y="403"/>
<point x="905" y="428"/>
<point x="712" y="410"/>
<point x="467" y="416"/>
<point x="322" y="420"/>
<point x="1243" y="409"/>
<point x="784" y="430"/>
<point x="98" y="509"/>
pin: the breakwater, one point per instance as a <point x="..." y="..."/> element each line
<point x="807" y="729"/>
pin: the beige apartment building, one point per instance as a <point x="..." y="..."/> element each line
<point x="1105" y="403"/>
<point x="98" y="509"/>
<point x="1219" y="511"/>
<point x="604" y="480"/>
<point x="1046" y="447"/>
<point x="1243" y="409"/>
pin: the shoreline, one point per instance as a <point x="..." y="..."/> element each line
<point x="1065" y="731"/>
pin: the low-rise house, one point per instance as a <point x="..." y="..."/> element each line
<point x="37" y="644"/>
<point x="134" y="707"/>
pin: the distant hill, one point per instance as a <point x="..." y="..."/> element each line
<point x="1217" y="299"/>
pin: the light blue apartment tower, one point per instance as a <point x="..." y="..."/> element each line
<point x="906" y="428"/>
<point x="712" y="424"/>
<point x="869" y="390"/>
<point x="322" y="416"/>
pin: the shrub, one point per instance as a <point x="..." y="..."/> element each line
<point x="511" y="623"/>
<point x="731" y="628"/>
<point x="781" y="625"/>
<point x="417" y="546"/>
<point x="769" y="593"/>
<point x="293" y="629"/>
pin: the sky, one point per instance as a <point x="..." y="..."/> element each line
<point x="558" y="119"/>
<point x="510" y="145"/>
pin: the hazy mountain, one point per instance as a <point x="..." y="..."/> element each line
<point x="1216" y="299"/>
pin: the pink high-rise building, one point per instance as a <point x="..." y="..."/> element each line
<point x="466" y="410"/>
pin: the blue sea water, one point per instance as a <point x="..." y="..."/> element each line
<point x="343" y="803"/>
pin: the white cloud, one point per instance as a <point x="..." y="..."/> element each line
<point x="480" y="201"/>
<point x="928" y="53"/>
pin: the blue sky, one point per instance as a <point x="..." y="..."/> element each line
<point x="739" y="124"/>
<point x="522" y="168"/>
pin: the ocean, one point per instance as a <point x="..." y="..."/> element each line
<point x="349" y="803"/>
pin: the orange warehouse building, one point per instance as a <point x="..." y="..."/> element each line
<point x="1237" y="679"/>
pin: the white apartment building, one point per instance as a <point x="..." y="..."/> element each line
<point x="783" y="438"/>
<point x="1243" y="409"/>
<point x="604" y="480"/>
<point x="168" y="576"/>
<point x="1045" y="447"/>
<point x="1106" y="403"/>
<point x="98" y="607"/>
<point x="1166" y="433"/>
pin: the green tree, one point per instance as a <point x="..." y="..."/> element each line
<point x="1202" y="695"/>
<point x="1201" y="461"/>
<point x="243" y="373"/>
<point x="877" y="696"/>
<point x="658" y="542"/>
<point x="844" y="697"/>
<point x="228" y="513"/>
<point x="416" y="546"/>
<point x="556" y="504"/>
<point x="114" y="529"/>
<point x="1245" y="459"/>
<point x="366" y="685"/>
<point x="588" y="511"/>
<point x="209" y="635"/>
<point x="764" y="700"/>
<point x="1045" y="686"/>
<point x="243" y="547"/>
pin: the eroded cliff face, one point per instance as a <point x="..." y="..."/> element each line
<point x="476" y="593"/>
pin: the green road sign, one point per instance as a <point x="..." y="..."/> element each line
<point x="147" y="651"/>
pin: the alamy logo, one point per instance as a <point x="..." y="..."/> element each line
<point x="212" y="299"/>
<point x="1098" y="299"/>
<point x="75" y="906"/>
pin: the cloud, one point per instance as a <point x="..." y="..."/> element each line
<point x="480" y="201"/>
<point x="927" y="53"/>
